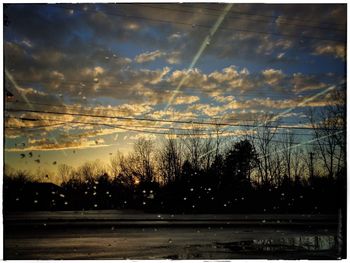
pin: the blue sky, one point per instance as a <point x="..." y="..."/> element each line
<point x="127" y="59"/>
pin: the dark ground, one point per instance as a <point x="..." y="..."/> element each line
<point x="135" y="235"/>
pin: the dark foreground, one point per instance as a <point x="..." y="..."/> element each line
<point x="134" y="235"/>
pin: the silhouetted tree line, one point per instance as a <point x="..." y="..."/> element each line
<point x="263" y="172"/>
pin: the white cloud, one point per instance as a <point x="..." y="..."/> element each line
<point x="336" y="50"/>
<point x="142" y="136"/>
<point x="185" y="100"/>
<point x="273" y="76"/>
<point x="148" y="56"/>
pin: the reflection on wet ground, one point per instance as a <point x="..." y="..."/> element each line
<point x="164" y="241"/>
<point x="286" y="247"/>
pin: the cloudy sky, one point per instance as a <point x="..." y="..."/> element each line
<point x="146" y="63"/>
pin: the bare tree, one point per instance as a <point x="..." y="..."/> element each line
<point x="194" y="145"/>
<point x="207" y="151"/>
<point x="297" y="163"/>
<point x="287" y="146"/>
<point x="65" y="172"/>
<point x="114" y="165"/>
<point x="170" y="160"/>
<point x="89" y="171"/>
<point x="329" y="131"/>
<point x="264" y="133"/>
<point x="143" y="153"/>
<point x="124" y="170"/>
<point x="276" y="167"/>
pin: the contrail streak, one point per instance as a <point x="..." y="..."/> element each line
<point x="204" y="44"/>
<point x="14" y="83"/>
<point x="24" y="97"/>
<point x="302" y="103"/>
<point x="301" y="144"/>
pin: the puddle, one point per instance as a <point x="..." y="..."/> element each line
<point x="286" y="247"/>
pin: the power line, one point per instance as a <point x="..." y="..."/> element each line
<point x="285" y="142"/>
<point x="80" y="108"/>
<point x="273" y="16"/>
<point x="36" y="127"/>
<point x="192" y="11"/>
<point x="161" y="120"/>
<point x="94" y="123"/>
<point x="142" y="126"/>
<point x="70" y="106"/>
<point x="122" y="127"/>
<point x="206" y="26"/>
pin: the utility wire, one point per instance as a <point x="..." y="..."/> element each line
<point x="140" y="126"/>
<point x="207" y="26"/>
<point x="274" y="16"/>
<point x="193" y="12"/>
<point x="97" y="123"/>
<point x="160" y="120"/>
<point x="35" y="127"/>
<point x="122" y="127"/>
<point x="72" y="107"/>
